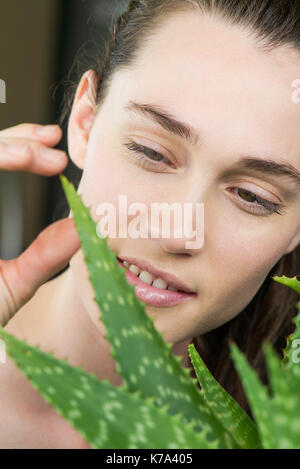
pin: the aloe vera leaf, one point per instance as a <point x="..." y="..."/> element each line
<point x="143" y="359"/>
<point x="292" y="350"/>
<point x="257" y="394"/>
<point x="284" y="420"/>
<point x="276" y="413"/>
<point x="293" y="340"/>
<point x="106" y="416"/>
<point x="293" y="282"/>
<point x="236" y="420"/>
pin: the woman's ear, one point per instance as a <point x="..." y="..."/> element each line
<point x="82" y="117"/>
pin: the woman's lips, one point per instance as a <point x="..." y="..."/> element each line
<point x="155" y="296"/>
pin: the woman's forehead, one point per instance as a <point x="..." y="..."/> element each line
<point x="191" y="52"/>
<point x="215" y="76"/>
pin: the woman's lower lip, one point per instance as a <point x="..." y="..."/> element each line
<point x="155" y="296"/>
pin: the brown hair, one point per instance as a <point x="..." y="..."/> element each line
<point x="273" y="23"/>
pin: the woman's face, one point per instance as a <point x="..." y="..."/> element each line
<point x="238" y="99"/>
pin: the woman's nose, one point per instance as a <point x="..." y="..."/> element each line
<point x="180" y="246"/>
<point x="182" y="233"/>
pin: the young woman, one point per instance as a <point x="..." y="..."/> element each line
<point x="193" y="102"/>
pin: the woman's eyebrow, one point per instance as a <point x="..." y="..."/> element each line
<point x="264" y="167"/>
<point x="269" y="168"/>
<point x="165" y="120"/>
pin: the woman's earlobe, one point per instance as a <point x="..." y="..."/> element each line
<point x="82" y="117"/>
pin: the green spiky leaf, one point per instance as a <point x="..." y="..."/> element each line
<point x="278" y="414"/>
<point x="293" y="282"/>
<point x="293" y="340"/>
<point x="144" y="359"/>
<point x="292" y="350"/>
<point x="285" y="386"/>
<point x="257" y="394"/>
<point x="106" y="416"/>
<point x="237" y="421"/>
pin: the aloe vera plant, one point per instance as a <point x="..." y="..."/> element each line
<point x="159" y="405"/>
<point x="277" y="413"/>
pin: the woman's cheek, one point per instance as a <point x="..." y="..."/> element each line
<point x="244" y="265"/>
<point x="108" y="177"/>
<point x="101" y="182"/>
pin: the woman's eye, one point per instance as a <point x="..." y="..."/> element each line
<point x="256" y="204"/>
<point x="149" y="158"/>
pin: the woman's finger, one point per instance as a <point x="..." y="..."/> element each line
<point x="49" y="253"/>
<point x="30" y="156"/>
<point x="46" y="134"/>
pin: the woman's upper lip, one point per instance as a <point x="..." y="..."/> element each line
<point x="170" y="279"/>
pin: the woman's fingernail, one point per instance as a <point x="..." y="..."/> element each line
<point x="45" y="130"/>
<point x="53" y="156"/>
<point x="16" y="150"/>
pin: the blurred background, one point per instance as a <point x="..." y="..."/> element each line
<point x="45" y="45"/>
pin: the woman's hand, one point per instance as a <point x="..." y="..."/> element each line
<point x="23" y="148"/>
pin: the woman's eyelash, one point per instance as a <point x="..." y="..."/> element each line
<point x="258" y="206"/>
<point x="259" y="202"/>
<point x="141" y="150"/>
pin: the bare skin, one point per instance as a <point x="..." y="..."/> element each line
<point x="27" y="421"/>
<point x="23" y="421"/>
<point x="247" y="111"/>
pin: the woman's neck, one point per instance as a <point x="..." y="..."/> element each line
<point x="74" y="334"/>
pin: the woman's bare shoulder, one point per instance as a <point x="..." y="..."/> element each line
<point x="27" y="420"/>
<point x="17" y="395"/>
<point x="17" y="406"/>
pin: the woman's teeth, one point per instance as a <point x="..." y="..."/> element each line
<point x="146" y="277"/>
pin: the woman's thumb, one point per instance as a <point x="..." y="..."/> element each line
<point x="49" y="253"/>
